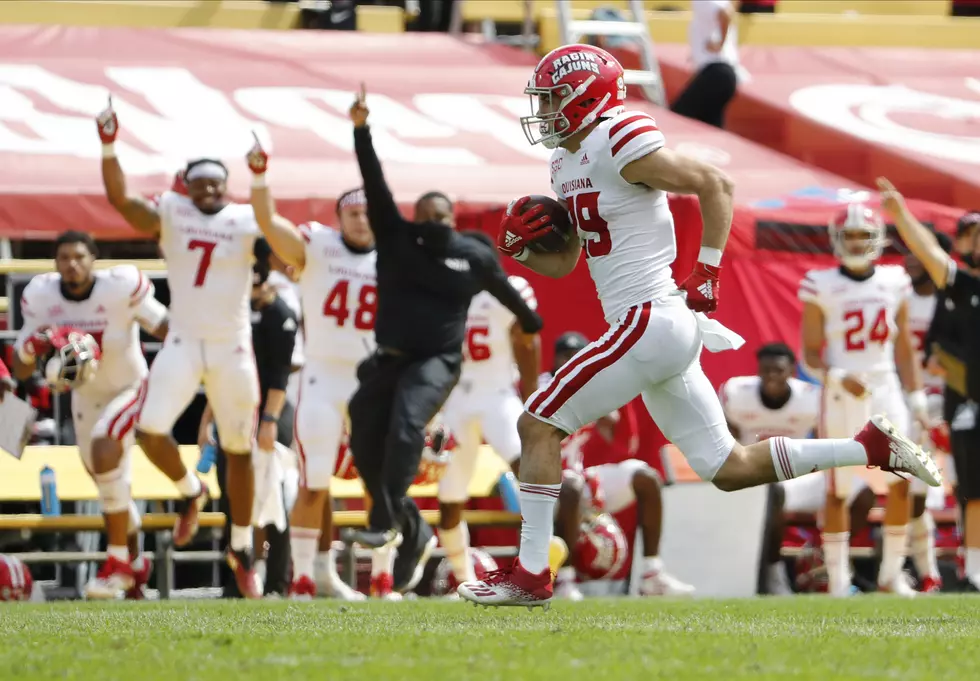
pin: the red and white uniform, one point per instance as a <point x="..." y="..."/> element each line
<point x="484" y="405"/>
<point x="209" y="271"/>
<point x="338" y="289"/>
<point x="120" y="302"/>
<point x="653" y="345"/>
<point x="741" y="397"/>
<point x="860" y="328"/>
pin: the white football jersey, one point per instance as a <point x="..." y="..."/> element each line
<point x="488" y="359"/>
<point x="921" y="311"/>
<point x="209" y="267"/>
<point x="741" y="398"/>
<point x="121" y="299"/>
<point x="339" y="291"/>
<point x="627" y="230"/>
<point x="859" y="316"/>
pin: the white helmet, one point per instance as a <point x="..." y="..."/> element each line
<point x="857" y="217"/>
<point x="73" y="363"/>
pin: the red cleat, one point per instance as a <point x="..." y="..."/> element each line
<point x="891" y="451"/>
<point x="511" y="586"/>
<point x="240" y="563"/>
<point x="383" y="587"/>
<point x="302" y="589"/>
<point x="114" y="579"/>
<point x="142" y="577"/>
<point x="931" y="585"/>
<point x="186" y="526"/>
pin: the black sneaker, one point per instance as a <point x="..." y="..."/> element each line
<point x="376" y="539"/>
<point x="413" y="555"/>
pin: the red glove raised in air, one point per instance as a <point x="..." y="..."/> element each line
<point x="108" y="124"/>
<point x="702" y="288"/>
<point x="257" y="159"/>
<point x="518" y="229"/>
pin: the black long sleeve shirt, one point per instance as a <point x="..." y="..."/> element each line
<point x="427" y="272"/>
<point x="273" y="338"/>
<point x="957" y="328"/>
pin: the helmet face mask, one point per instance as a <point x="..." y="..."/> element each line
<point x="72" y="364"/>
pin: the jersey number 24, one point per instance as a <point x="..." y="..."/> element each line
<point x="857" y="335"/>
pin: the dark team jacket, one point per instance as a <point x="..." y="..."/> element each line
<point x="273" y="337"/>
<point x="956" y="329"/>
<point x="427" y="273"/>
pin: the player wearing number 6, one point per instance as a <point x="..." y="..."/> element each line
<point x="856" y="336"/>
<point x="208" y="243"/>
<point x="338" y="291"/>
<point x="612" y="170"/>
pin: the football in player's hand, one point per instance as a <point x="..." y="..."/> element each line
<point x="556" y="235"/>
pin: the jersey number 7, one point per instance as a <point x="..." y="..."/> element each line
<point x="207" y="249"/>
<point x="367" y="305"/>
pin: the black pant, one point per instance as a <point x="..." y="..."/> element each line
<point x="966" y="454"/>
<point x="395" y="400"/>
<point x="707" y="95"/>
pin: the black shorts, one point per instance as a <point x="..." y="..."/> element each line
<point x="966" y="455"/>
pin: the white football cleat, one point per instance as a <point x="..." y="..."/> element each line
<point x="115" y="578"/>
<point x="568" y="590"/>
<point x="901" y="585"/>
<point x="510" y="586"/>
<point x="891" y="451"/>
<point x="662" y="583"/>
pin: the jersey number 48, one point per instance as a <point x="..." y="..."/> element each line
<point x="336" y="305"/>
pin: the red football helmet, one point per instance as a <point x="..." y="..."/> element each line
<point x="16" y="583"/>
<point x="857" y="219"/>
<point x="445" y="582"/>
<point x="570" y="88"/>
<point x="601" y="548"/>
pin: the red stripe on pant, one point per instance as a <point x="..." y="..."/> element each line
<point x="120" y="418"/>
<point x="301" y="453"/>
<point x="626" y="338"/>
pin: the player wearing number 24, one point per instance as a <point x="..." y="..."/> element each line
<point x="612" y="170"/>
<point x="208" y="243"/>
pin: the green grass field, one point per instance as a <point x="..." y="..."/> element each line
<point x="868" y="637"/>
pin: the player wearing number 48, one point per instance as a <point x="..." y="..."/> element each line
<point x="208" y="243"/>
<point x="857" y="338"/>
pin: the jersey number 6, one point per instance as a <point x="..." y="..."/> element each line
<point x="584" y="209"/>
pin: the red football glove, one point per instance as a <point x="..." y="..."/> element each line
<point x="702" y="288"/>
<point x="258" y="160"/>
<point x="179" y="185"/>
<point x="518" y="229"/>
<point x="108" y="124"/>
<point x="46" y="339"/>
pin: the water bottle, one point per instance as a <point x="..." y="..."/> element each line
<point x="208" y="453"/>
<point x="509" y="491"/>
<point x="50" y="504"/>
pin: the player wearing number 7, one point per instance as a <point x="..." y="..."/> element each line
<point x="613" y="169"/>
<point x="856" y="337"/>
<point x="208" y="243"/>
<point x="339" y="294"/>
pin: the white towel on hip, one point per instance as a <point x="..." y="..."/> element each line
<point x="716" y="336"/>
<point x="268" y="507"/>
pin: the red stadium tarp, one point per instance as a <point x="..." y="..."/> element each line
<point x="911" y="114"/>
<point x="443" y="113"/>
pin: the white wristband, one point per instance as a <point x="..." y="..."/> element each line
<point x="258" y="181"/>
<point x="710" y="256"/>
<point x="521" y="255"/>
<point x="109" y="150"/>
<point x="918" y="402"/>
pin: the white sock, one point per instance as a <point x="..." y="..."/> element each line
<point x="456" y="541"/>
<point x="565" y="575"/>
<point x="836" y="556"/>
<point x="118" y="552"/>
<point x="893" y="541"/>
<point x="652" y="565"/>
<point x="302" y="548"/>
<point x="138" y="563"/>
<point x="973" y="565"/>
<point x="326" y="561"/>
<point x="793" y="458"/>
<point x="538" y="517"/>
<point x="241" y="538"/>
<point x="382" y="561"/>
<point x="923" y="545"/>
<point x="189" y="486"/>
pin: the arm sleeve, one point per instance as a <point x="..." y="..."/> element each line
<point x="936" y="327"/>
<point x="282" y="336"/>
<point x="497" y="285"/>
<point x="381" y="206"/>
<point x="633" y="135"/>
<point x="961" y="285"/>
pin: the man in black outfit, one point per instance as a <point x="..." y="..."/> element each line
<point x="427" y="275"/>
<point x="274" y="328"/>
<point x="958" y="353"/>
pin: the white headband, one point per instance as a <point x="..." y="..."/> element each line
<point x="354" y="198"/>
<point x="208" y="170"/>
